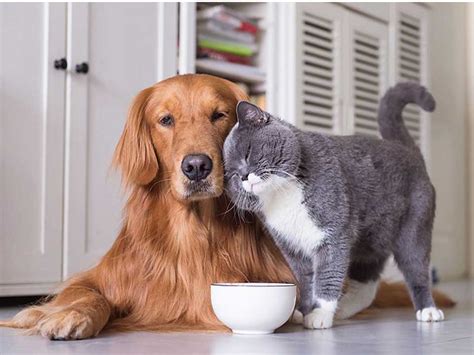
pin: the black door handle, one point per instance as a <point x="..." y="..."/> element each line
<point x="82" y="68"/>
<point x="60" y="64"/>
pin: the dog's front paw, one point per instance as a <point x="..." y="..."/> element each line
<point x="297" y="317"/>
<point x="429" y="314"/>
<point x="318" y="319"/>
<point x="66" y="325"/>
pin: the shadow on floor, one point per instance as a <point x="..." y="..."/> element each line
<point x="21" y="300"/>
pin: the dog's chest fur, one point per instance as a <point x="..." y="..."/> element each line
<point x="286" y="214"/>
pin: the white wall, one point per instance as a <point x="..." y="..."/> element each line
<point x="448" y="156"/>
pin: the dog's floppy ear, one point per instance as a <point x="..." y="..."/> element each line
<point x="134" y="154"/>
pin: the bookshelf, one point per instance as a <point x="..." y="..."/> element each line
<point x="259" y="76"/>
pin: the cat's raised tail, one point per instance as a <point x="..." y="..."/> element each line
<point x="390" y="119"/>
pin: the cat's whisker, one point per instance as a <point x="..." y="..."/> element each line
<point x="231" y="203"/>
<point x="288" y="174"/>
<point x="235" y="207"/>
<point x="239" y="203"/>
<point x="276" y="171"/>
<point x="232" y="206"/>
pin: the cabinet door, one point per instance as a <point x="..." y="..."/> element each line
<point x="32" y="36"/>
<point x="126" y="52"/>
<point x="317" y="67"/>
<point x="340" y="69"/>
<point x="365" y="63"/>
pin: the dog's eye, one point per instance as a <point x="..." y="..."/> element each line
<point x="218" y="115"/>
<point x="166" y="121"/>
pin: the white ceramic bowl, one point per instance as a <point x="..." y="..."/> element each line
<point x="253" y="308"/>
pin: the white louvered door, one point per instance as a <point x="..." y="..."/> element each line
<point x="318" y="62"/>
<point x="365" y="66"/>
<point x="344" y="62"/>
<point x="342" y="70"/>
<point x="408" y="38"/>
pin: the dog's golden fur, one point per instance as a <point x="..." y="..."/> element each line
<point x="172" y="244"/>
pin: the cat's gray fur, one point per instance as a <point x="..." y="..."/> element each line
<point x="371" y="197"/>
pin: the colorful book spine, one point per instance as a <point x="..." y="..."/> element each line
<point x="214" y="28"/>
<point x="245" y="50"/>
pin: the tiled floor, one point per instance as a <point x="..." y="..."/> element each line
<point x="375" y="332"/>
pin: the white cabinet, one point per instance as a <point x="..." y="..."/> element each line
<point x="32" y="36"/>
<point x="120" y="44"/>
<point x="60" y="206"/>
<point x="316" y="80"/>
<point x="341" y="62"/>
<point x="365" y="63"/>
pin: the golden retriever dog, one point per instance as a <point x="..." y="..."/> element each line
<point x="179" y="232"/>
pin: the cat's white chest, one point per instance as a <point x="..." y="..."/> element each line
<point x="285" y="212"/>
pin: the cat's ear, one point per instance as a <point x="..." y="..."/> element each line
<point x="248" y="113"/>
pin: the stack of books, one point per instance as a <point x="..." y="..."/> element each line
<point x="227" y="44"/>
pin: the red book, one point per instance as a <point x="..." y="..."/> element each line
<point x="248" y="27"/>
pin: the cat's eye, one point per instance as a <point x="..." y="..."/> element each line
<point x="166" y="120"/>
<point x="217" y="116"/>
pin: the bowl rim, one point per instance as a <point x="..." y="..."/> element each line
<point x="252" y="284"/>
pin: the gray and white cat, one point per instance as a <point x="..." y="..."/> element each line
<point x="339" y="206"/>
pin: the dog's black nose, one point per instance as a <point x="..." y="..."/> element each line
<point x="196" y="166"/>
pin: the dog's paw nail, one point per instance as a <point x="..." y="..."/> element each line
<point x="57" y="338"/>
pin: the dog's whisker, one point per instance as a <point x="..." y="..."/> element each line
<point x="158" y="182"/>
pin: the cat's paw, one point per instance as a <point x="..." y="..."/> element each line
<point x="318" y="319"/>
<point x="297" y="317"/>
<point x="429" y="314"/>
